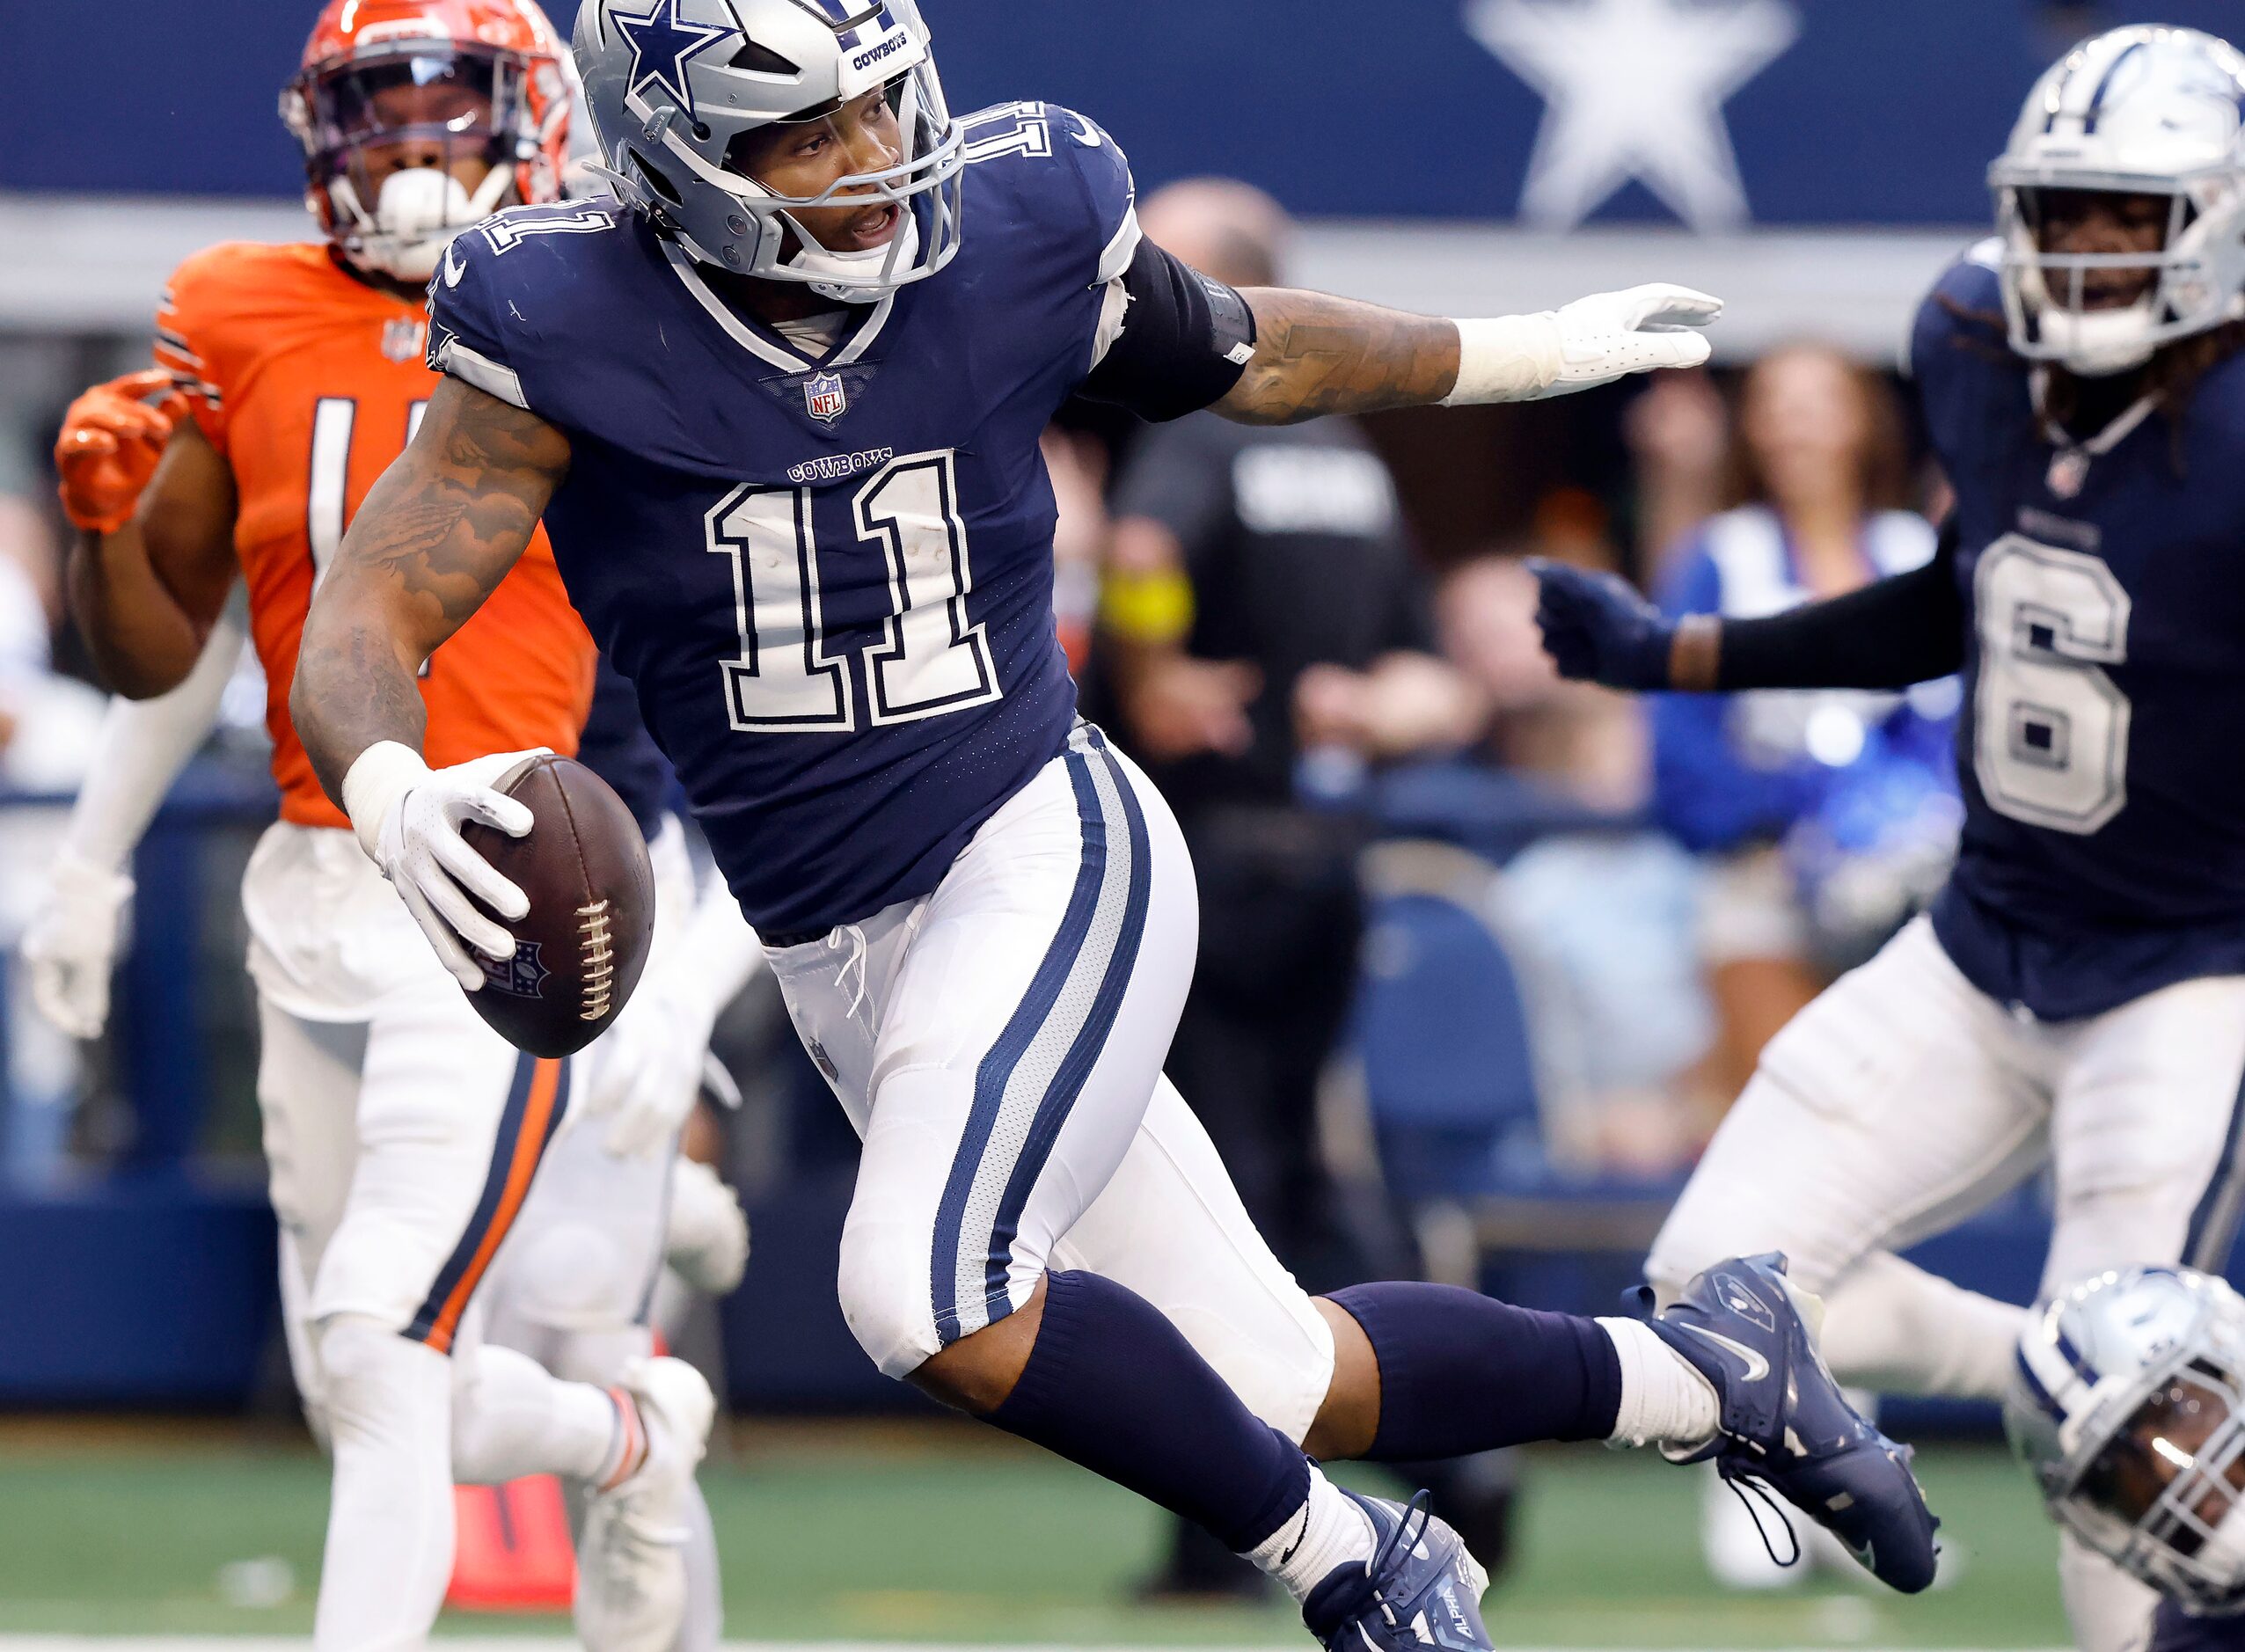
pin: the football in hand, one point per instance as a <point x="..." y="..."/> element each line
<point x="578" y="953"/>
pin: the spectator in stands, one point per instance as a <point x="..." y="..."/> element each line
<point x="1822" y="817"/>
<point x="1597" y="904"/>
<point x="1678" y="431"/>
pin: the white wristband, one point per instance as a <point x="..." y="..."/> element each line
<point x="384" y="772"/>
<point x="1506" y="358"/>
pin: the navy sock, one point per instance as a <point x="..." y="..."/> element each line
<point x="1460" y="1372"/>
<point x="1112" y="1385"/>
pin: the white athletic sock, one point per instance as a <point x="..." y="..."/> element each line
<point x="389" y="1553"/>
<point x="1895" y="1328"/>
<point x="1664" y="1401"/>
<point x="1328" y="1530"/>
<point x="705" y="1625"/>
<point x="511" y="1417"/>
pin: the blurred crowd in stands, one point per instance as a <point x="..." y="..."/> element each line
<point x="1467" y="930"/>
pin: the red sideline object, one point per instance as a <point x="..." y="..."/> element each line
<point x="513" y="1553"/>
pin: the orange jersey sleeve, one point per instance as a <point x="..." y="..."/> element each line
<point x="311" y="383"/>
<point x="181" y="349"/>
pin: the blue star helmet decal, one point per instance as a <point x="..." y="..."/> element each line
<point x="663" y="44"/>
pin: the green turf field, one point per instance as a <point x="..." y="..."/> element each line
<point x="886" y="1535"/>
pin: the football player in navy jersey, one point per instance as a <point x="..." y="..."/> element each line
<point x="778" y="405"/>
<point x="2076" y="995"/>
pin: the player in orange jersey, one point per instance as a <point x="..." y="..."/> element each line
<point x="402" y="1133"/>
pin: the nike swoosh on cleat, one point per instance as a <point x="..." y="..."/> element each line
<point x="1757" y="1367"/>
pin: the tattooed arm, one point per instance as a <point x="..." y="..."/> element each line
<point x="432" y="540"/>
<point x="1316" y="355"/>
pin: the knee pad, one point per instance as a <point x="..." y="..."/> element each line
<point x="374" y="1383"/>
<point x="1714" y="1221"/>
<point x="887" y="1300"/>
<point x="1677" y="1256"/>
<point x="568" y="1276"/>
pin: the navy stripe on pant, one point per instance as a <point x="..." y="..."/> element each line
<point x="1100" y="931"/>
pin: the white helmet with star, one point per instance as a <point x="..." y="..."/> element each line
<point x="2140" y="110"/>
<point x="679" y="89"/>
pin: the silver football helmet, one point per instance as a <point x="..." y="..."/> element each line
<point x="2128" y="1406"/>
<point x="676" y="87"/>
<point x="2143" y="110"/>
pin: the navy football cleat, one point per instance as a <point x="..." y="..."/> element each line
<point x="1785" y="1423"/>
<point x="1421" y="1588"/>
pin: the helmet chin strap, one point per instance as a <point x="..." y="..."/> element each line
<point x="853" y="278"/>
<point x="416" y="217"/>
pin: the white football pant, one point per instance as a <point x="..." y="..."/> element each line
<point x="401" y="1136"/>
<point x="1903" y="1100"/>
<point x="998" y="1045"/>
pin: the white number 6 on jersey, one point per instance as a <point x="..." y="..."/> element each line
<point x="2049" y="726"/>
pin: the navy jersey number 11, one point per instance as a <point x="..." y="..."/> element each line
<point x="930" y="662"/>
<point x="828" y="573"/>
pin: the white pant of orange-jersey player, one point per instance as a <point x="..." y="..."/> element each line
<point x="403" y="1135"/>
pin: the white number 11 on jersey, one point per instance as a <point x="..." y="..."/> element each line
<point x="930" y="663"/>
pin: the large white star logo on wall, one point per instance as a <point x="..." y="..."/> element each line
<point x="1633" y="89"/>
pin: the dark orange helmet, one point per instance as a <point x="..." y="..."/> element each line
<point x="397" y="98"/>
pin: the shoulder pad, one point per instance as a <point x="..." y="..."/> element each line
<point x="216" y="316"/>
<point x="1113" y="193"/>
<point x="1061" y="144"/>
<point x="1964" y="311"/>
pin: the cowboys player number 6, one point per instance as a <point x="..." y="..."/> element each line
<point x="2076" y="995"/>
<point x="778" y="405"/>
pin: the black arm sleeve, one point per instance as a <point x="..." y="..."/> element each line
<point x="1890" y="634"/>
<point x="1186" y="340"/>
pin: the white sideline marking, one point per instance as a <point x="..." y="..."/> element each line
<point x="521" y="1643"/>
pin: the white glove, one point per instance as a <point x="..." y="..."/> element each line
<point x="645" y="1070"/>
<point x="708" y="1244"/>
<point x="408" y="818"/>
<point x="1593" y="341"/>
<point x="71" y="943"/>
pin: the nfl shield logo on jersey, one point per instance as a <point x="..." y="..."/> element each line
<point x="403" y="341"/>
<point x="825" y="398"/>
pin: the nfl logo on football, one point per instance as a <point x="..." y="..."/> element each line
<point x="825" y="398"/>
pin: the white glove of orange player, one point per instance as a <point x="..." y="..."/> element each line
<point x="71" y="943"/>
<point x="707" y="1245"/>
<point x="112" y="438"/>
<point x="408" y="818"/>
<point x="646" y="1072"/>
